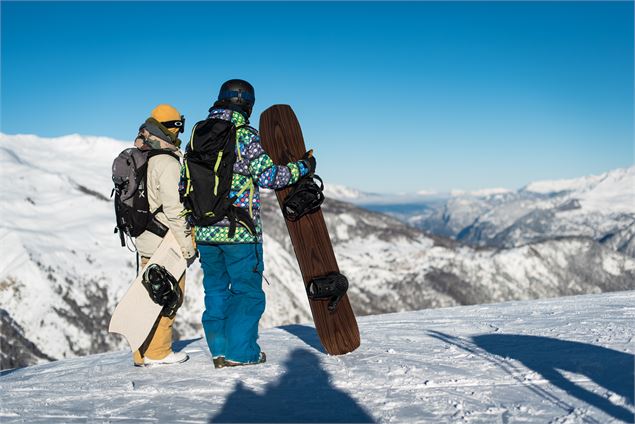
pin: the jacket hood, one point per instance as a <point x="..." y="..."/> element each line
<point x="158" y="133"/>
<point x="228" y="106"/>
<point x="228" y="115"/>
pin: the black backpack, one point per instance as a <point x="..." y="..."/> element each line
<point x="129" y="174"/>
<point x="207" y="178"/>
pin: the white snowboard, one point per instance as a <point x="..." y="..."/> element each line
<point x="136" y="313"/>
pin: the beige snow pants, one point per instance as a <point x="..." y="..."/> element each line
<point x="158" y="345"/>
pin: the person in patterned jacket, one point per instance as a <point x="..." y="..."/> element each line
<point x="233" y="266"/>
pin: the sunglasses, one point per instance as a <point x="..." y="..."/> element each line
<point x="179" y="123"/>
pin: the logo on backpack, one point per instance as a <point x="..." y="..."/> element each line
<point x="208" y="169"/>
<point x="132" y="209"/>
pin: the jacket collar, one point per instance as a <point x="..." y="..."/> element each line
<point x="157" y="135"/>
<point x="235" y="117"/>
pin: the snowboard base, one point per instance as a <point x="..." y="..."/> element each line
<point x="136" y="313"/>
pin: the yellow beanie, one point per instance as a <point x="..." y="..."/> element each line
<point x="165" y="112"/>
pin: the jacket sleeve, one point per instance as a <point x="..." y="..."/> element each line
<point x="267" y="174"/>
<point x="169" y="175"/>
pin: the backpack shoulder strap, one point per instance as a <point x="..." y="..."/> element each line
<point x="157" y="152"/>
<point x="248" y="128"/>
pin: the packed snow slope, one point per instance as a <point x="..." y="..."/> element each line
<point x="567" y="360"/>
<point x="62" y="269"/>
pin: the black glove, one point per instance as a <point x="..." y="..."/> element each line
<point x="310" y="162"/>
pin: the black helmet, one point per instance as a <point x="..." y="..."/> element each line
<point x="239" y="93"/>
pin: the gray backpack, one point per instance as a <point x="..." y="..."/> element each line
<point x="129" y="174"/>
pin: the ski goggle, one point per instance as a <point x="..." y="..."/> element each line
<point x="179" y="123"/>
<point x="244" y="95"/>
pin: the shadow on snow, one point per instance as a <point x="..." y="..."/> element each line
<point x="302" y="394"/>
<point x="179" y="345"/>
<point x="305" y="333"/>
<point x="608" y="368"/>
<point x="8" y="371"/>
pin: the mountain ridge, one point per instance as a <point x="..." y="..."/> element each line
<point x="62" y="270"/>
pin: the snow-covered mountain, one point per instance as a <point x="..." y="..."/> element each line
<point x="566" y="360"/>
<point x="62" y="269"/>
<point x="346" y="194"/>
<point x="600" y="207"/>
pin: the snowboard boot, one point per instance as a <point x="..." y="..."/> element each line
<point x="219" y="361"/>
<point x="172" y="358"/>
<point x="261" y="360"/>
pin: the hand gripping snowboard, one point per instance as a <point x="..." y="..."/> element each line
<point x="281" y="137"/>
<point x="136" y="313"/>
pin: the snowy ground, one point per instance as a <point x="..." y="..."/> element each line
<point x="564" y="360"/>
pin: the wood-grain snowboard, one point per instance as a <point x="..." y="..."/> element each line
<point x="281" y="137"/>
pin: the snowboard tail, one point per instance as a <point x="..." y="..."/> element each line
<point x="281" y="137"/>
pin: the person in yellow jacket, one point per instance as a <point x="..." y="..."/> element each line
<point x="161" y="131"/>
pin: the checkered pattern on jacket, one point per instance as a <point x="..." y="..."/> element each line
<point x="254" y="164"/>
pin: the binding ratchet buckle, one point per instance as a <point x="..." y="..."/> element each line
<point x="305" y="197"/>
<point x="332" y="287"/>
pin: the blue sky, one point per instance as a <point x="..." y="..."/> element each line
<point x="394" y="97"/>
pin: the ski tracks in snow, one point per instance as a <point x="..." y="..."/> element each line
<point x="567" y="360"/>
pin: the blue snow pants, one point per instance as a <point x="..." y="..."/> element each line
<point x="234" y="300"/>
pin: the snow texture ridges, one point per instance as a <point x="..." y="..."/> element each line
<point x="567" y="360"/>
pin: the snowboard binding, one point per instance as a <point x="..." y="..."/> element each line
<point x="332" y="287"/>
<point x="163" y="289"/>
<point x="305" y="197"/>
